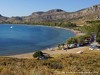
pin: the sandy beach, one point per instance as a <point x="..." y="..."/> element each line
<point x="51" y="52"/>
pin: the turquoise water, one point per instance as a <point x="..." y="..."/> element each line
<point x="18" y="39"/>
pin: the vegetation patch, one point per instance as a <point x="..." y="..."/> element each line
<point x="89" y="61"/>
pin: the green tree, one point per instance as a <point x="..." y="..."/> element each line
<point x="72" y="40"/>
<point x="38" y="54"/>
<point x="98" y="39"/>
<point x="68" y="24"/>
<point x="80" y="39"/>
<point x="97" y="29"/>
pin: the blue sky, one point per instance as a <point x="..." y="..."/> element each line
<point x="26" y="7"/>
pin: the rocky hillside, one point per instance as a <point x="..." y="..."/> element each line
<point x="3" y="19"/>
<point x="79" y="17"/>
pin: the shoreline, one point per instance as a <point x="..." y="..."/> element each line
<point x="76" y="32"/>
<point x="30" y="55"/>
<point x="50" y="52"/>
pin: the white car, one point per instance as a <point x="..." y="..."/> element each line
<point x="94" y="48"/>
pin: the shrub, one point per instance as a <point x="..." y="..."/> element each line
<point x="72" y="41"/>
<point x="80" y="39"/>
<point x="98" y="39"/>
<point x="68" y="24"/>
<point x="37" y="54"/>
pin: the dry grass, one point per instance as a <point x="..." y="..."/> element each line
<point x="62" y="64"/>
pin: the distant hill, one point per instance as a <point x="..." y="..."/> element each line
<point x="57" y="15"/>
<point x="3" y="19"/>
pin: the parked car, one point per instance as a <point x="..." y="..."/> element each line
<point x="42" y="58"/>
<point x="94" y="47"/>
<point x="71" y="46"/>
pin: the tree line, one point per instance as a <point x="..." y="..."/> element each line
<point x="91" y="27"/>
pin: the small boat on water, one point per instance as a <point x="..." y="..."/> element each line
<point x="11" y="27"/>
